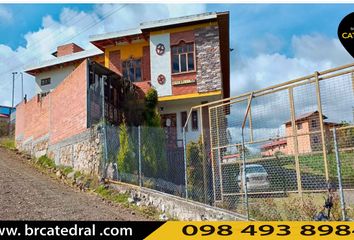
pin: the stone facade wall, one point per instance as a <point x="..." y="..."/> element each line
<point x="83" y="152"/>
<point x="208" y="59"/>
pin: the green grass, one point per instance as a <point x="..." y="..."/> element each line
<point x="46" y="162"/>
<point x="111" y="195"/>
<point x="66" y="169"/>
<point x="315" y="164"/>
<point x="8" y="143"/>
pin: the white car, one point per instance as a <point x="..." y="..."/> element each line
<point x="256" y="178"/>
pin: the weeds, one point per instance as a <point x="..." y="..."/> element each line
<point x="8" y="143"/>
<point x="46" y="162"/>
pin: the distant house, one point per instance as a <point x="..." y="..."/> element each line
<point x="4" y="110"/>
<point x="309" y="136"/>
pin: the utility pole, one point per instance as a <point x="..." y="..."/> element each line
<point x="12" y="103"/>
<point x="21" y="86"/>
<point x="13" y="90"/>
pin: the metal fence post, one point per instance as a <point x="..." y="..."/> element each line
<point x="104" y="130"/>
<point x="296" y="141"/>
<point x="244" y="175"/>
<point x="323" y="132"/>
<point x="139" y="155"/>
<point x="339" y="173"/>
<point x="185" y="163"/>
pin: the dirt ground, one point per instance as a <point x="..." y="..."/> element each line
<point x="27" y="194"/>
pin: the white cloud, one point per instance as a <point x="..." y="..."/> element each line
<point x="76" y="26"/>
<point x="311" y="53"/>
<point x="5" y="14"/>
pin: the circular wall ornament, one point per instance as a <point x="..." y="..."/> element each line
<point x="161" y="79"/>
<point x="160" y="49"/>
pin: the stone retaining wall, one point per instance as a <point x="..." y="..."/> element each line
<point x="173" y="207"/>
<point x="83" y="151"/>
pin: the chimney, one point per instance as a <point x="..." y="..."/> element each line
<point x="67" y="49"/>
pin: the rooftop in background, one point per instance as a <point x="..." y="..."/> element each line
<point x="63" y="59"/>
<point x="275" y="143"/>
<point x="5" y="110"/>
<point x="305" y="115"/>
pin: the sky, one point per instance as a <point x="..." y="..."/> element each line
<point x="272" y="42"/>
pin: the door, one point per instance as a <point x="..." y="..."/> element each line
<point x="169" y="123"/>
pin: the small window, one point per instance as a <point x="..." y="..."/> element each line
<point x="299" y="126"/>
<point x="314" y="123"/>
<point x="45" y="81"/>
<point x="194" y="120"/>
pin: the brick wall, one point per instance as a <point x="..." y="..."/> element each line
<point x="184" y="88"/>
<point x="145" y="64"/>
<point x="60" y="114"/>
<point x="208" y="59"/>
<point x="68" y="49"/>
<point x="32" y="118"/>
<point x="115" y="63"/>
<point x="69" y="105"/>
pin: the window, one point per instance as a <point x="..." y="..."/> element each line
<point x="183" y="58"/>
<point x="183" y="120"/>
<point x="45" y="81"/>
<point x="299" y="126"/>
<point x="132" y="70"/>
<point x="315" y="139"/>
<point x="194" y="120"/>
<point x="314" y="123"/>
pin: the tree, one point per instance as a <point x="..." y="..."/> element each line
<point x="194" y="153"/>
<point x="127" y="162"/>
<point x="153" y="139"/>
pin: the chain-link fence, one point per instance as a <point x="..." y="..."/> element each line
<point x="142" y="156"/>
<point x="271" y="153"/>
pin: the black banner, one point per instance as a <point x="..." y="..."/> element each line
<point x="346" y="33"/>
<point x="76" y="229"/>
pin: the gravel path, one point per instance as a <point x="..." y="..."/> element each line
<point x="27" y="194"/>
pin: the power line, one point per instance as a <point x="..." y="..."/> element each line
<point x="82" y="31"/>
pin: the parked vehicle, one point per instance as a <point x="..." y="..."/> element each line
<point x="256" y="178"/>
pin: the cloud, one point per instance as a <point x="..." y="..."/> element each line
<point x="5" y="14"/>
<point x="76" y="26"/>
<point x="310" y="53"/>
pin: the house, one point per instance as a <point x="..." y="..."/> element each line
<point x="309" y="136"/>
<point x="6" y="117"/>
<point x="49" y="74"/>
<point x="185" y="59"/>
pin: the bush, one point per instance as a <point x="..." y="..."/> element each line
<point x="4" y="128"/>
<point x="265" y="210"/>
<point x="194" y="153"/>
<point x="153" y="139"/>
<point x="46" y="162"/>
<point x="125" y="159"/>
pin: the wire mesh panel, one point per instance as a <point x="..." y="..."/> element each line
<point x="288" y="146"/>
<point x="162" y="161"/>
